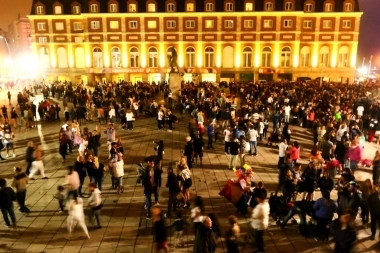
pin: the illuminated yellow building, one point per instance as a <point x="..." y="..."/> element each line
<point x="215" y="40"/>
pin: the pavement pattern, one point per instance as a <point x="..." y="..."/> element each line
<point x="124" y="227"/>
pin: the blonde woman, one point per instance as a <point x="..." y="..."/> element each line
<point x="321" y="133"/>
<point x="186" y="182"/>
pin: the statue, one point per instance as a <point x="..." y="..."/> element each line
<point x="172" y="57"/>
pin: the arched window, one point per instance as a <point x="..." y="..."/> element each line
<point x="228" y="57"/>
<point x="285" y="57"/>
<point x="348" y="7"/>
<point x="266" y="59"/>
<point x="190" y="57"/>
<point x="113" y="7"/>
<point x="40" y="10"/>
<point x="305" y="57"/>
<point x="134" y="52"/>
<point x="62" y="58"/>
<point x="57" y="9"/>
<point x="288" y="6"/>
<point x="97" y="58"/>
<point x="94" y="8"/>
<point x="247" y="57"/>
<point x="248" y="6"/>
<point x="269" y="6"/>
<point x="151" y="7"/>
<point x="343" y="56"/>
<point x="308" y="7"/>
<point x="324" y="56"/>
<point x="115" y="56"/>
<point x="44" y="58"/>
<point x="153" y="56"/>
<point x="209" y="57"/>
<point x="328" y="7"/>
<point x="170" y="7"/>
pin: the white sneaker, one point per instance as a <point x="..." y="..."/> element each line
<point x="170" y="130"/>
<point x="14" y="155"/>
<point x="7" y="156"/>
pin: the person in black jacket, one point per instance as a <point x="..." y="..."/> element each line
<point x="173" y="185"/>
<point x="81" y="168"/>
<point x="325" y="183"/>
<point x="188" y="151"/>
<point x="160" y="234"/>
<point x="204" y="240"/>
<point x="198" y="150"/>
<point x="29" y="156"/>
<point x="345" y="236"/>
<point x="7" y="196"/>
<point x="374" y="210"/>
<point x="148" y="183"/>
<point x="95" y="142"/>
<point x="157" y="179"/>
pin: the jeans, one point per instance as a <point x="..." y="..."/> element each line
<point x="20" y="196"/>
<point x="209" y="143"/>
<point x="254" y="145"/>
<point x="148" y="202"/>
<point x="259" y="240"/>
<point x="95" y="214"/>
<point x="295" y="210"/>
<point x="98" y="181"/>
<point x="10" y="211"/>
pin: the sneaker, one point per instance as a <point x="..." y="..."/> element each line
<point x="14" y="155"/>
<point x="148" y="217"/>
<point x="170" y="131"/>
<point x="7" y="156"/>
<point x="8" y="226"/>
<point x="59" y="212"/>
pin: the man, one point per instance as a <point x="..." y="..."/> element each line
<point x="210" y="132"/>
<point x="198" y="150"/>
<point x="38" y="164"/>
<point x="81" y="168"/>
<point x="148" y="183"/>
<point x="20" y="181"/>
<point x="70" y="137"/>
<point x="260" y="221"/>
<point x="253" y="135"/>
<point x="227" y="139"/>
<point x="174" y="190"/>
<point x="374" y="210"/>
<point x="7" y="196"/>
<point x="282" y="152"/>
<point x="111" y="133"/>
<point x="276" y="121"/>
<point x="29" y="156"/>
<point x="327" y="148"/>
<point x="204" y="239"/>
<point x="234" y="152"/>
<point x="160" y="234"/>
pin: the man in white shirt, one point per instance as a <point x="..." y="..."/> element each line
<point x="260" y="220"/>
<point x="282" y="152"/>
<point x="253" y="135"/>
<point x="227" y="139"/>
<point x="287" y="113"/>
<point x="360" y="110"/>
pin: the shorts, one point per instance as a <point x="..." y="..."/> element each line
<point x="187" y="184"/>
<point x="9" y="145"/>
<point x="198" y="154"/>
<point x="161" y="245"/>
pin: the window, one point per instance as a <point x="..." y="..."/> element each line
<point x="209" y="7"/>
<point x="266" y="57"/>
<point x="190" y="7"/>
<point x="115" y="56"/>
<point x="209" y="57"/>
<point x="328" y="7"/>
<point x="114" y="24"/>
<point x="57" y="10"/>
<point x="95" y="25"/>
<point x="288" y="23"/>
<point x="324" y="56"/>
<point x="76" y="9"/>
<point x="190" y="57"/>
<point x="151" y="7"/>
<point x="229" y="7"/>
<point x="248" y="6"/>
<point x="152" y="24"/>
<point x="77" y="26"/>
<point x="327" y="24"/>
<point x="113" y="7"/>
<point x="132" y="8"/>
<point x="307" y="24"/>
<point x="134" y="52"/>
<point x="190" y="23"/>
<point x="209" y="24"/>
<point x="171" y="24"/>
<point x="40" y="10"/>
<point x="268" y="23"/>
<point x="247" y="57"/>
<point x="288" y="6"/>
<point x="132" y="24"/>
<point x="229" y="24"/>
<point x="94" y="8"/>
<point x="248" y="23"/>
<point x="308" y="7"/>
<point x="269" y="6"/>
<point x="153" y="56"/>
<point x="41" y="26"/>
<point x="305" y="57"/>
<point x="97" y="58"/>
<point x="343" y="57"/>
<point x="346" y="24"/>
<point x="42" y="39"/>
<point x="285" y="57"/>
<point x="171" y="7"/>
<point x="348" y="7"/>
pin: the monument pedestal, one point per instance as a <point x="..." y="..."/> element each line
<point x="175" y="84"/>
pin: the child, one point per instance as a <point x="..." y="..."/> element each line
<point x="179" y="225"/>
<point x="61" y="196"/>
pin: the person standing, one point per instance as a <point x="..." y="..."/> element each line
<point x="210" y="132"/>
<point x="282" y="152"/>
<point x="227" y="139"/>
<point x="29" y="156"/>
<point x="160" y="119"/>
<point x="70" y="138"/>
<point x="198" y="150"/>
<point x="253" y="135"/>
<point x="188" y="152"/>
<point x="234" y="152"/>
<point x="173" y="185"/>
<point x="9" y="97"/>
<point x="81" y="167"/>
<point x="72" y="182"/>
<point x="324" y="212"/>
<point x="63" y="140"/>
<point x="260" y="220"/>
<point x="374" y="210"/>
<point x="205" y="241"/>
<point x="20" y="180"/>
<point x="97" y="173"/>
<point x="76" y="213"/>
<point x="8" y="141"/>
<point x="345" y="236"/>
<point x="354" y="154"/>
<point x="7" y="196"/>
<point x="38" y="164"/>
<point x="148" y="183"/>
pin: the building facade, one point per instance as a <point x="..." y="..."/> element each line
<point x="226" y="40"/>
<point x="19" y="36"/>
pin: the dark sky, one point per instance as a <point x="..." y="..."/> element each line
<point x="369" y="39"/>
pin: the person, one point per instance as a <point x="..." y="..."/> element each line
<point x="289" y="185"/>
<point x="234" y="152"/>
<point x="81" y="167"/>
<point x="188" y="152"/>
<point x="198" y="150"/>
<point x="374" y="210"/>
<point x="260" y="220"/>
<point x="95" y="202"/>
<point x="179" y="225"/>
<point x="376" y="168"/>
<point x="76" y="213"/>
<point x="354" y="154"/>
<point x="130" y="118"/>
<point x="253" y="135"/>
<point x="63" y="145"/>
<point x="20" y="180"/>
<point x="8" y="141"/>
<point x="37" y="164"/>
<point x="196" y="214"/>
<point x="227" y="139"/>
<point x="232" y="235"/>
<point x="118" y="173"/>
<point x="72" y="182"/>
<point x="325" y="183"/>
<point x="210" y="133"/>
<point x="97" y="173"/>
<point x="7" y="196"/>
<point x="148" y="183"/>
<point x="205" y="241"/>
<point x="174" y="190"/>
<point x="367" y="189"/>
<point x="29" y="156"/>
<point x="61" y="196"/>
<point x="324" y="209"/>
<point x="158" y="179"/>
<point x="186" y="182"/>
<point x="345" y="236"/>
<point x="160" y="234"/>
<point x="294" y="153"/>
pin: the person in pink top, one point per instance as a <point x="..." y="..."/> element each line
<point x="294" y="153"/>
<point x="354" y="154"/>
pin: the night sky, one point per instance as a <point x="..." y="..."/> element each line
<point x="369" y="39"/>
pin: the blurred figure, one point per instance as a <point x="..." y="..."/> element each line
<point x="345" y="236"/>
<point x="204" y="239"/>
<point x="76" y="213"/>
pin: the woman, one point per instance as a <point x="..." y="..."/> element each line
<point x="63" y="139"/>
<point x="354" y="154"/>
<point x="83" y="146"/>
<point x="129" y="117"/>
<point x="367" y="189"/>
<point x="97" y="173"/>
<point x="294" y="153"/>
<point x="75" y="128"/>
<point x="72" y="182"/>
<point x="188" y="152"/>
<point x="118" y="173"/>
<point x="286" y="132"/>
<point x="289" y="184"/>
<point x="14" y="117"/>
<point x="186" y="182"/>
<point x="171" y="120"/>
<point x="112" y="114"/>
<point x="376" y="168"/>
<point x="321" y="132"/>
<point x="324" y="212"/>
<point x="310" y="181"/>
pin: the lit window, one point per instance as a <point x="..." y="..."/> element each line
<point x="113" y="7"/>
<point x="190" y="7"/>
<point x="209" y="24"/>
<point x="229" y="7"/>
<point x="305" y="57"/>
<point x="249" y="7"/>
<point x="269" y="6"/>
<point x="190" y="57"/>
<point x="114" y="24"/>
<point x="266" y="57"/>
<point x="41" y="26"/>
<point x="97" y="56"/>
<point x="327" y="24"/>
<point x="209" y="7"/>
<point x="171" y="7"/>
<point x="152" y="24"/>
<point x="132" y="8"/>
<point x="328" y="7"/>
<point x="343" y="56"/>
<point x="190" y="24"/>
<point x="95" y="24"/>
<point x="308" y="7"/>
<point x="151" y="7"/>
<point x="134" y="52"/>
<point x="132" y="24"/>
<point x="40" y="10"/>
<point x="285" y="57"/>
<point x="288" y="23"/>
<point x="115" y="55"/>
<point x="247" y="57"/>
<point x="77" y="26"/>
<point x="94" y="8"/>
<point x="153" y="56"/>
<point x="288" y="6"/>
<point x="209" y="57"/>
<point x="248" y="23"/>
<point x="268" y="23"/>
<point x="42" y="39"/>
<point x="348" y="7"/>
<point x="171" y="24"/>
<point x="324" y="56"/>
<point x="307" y="24"/>
<point x="57" y="9"/>
<point x="76" y="9"/>
<point x="229" y="24"/>
<point x="346" y="24"/>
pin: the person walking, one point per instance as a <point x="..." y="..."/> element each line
<point x="210" y="133"/>
<point x="324" y="212"/>
<point x="232" y="235"/>
<point x="374" y="210"/>
<point x="148" y="183"/>
<point x="80" y="166"/>
<point x="205" y="241"/>
<point x="20" y="180"/>
<point x="174" y="190"/>
<point x="160" y="234"/>
<point x="63" y="140"/>
<point x="234" y="152"/>
<point x="38" y="164"/>
<point x="95" y="202"/>
<point x="253" y="135"/>
<point x="186" y="182"/>
<point x="29" y="156"/>
<point x="97" y="173"/>
<point x="76" y="213"/>
<point x="72" y="183"/>
<point x="260" y="220"/>
<point x="227" y="139"/>
<point x="345" y="236"/>
<point x="7" y="196"/>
